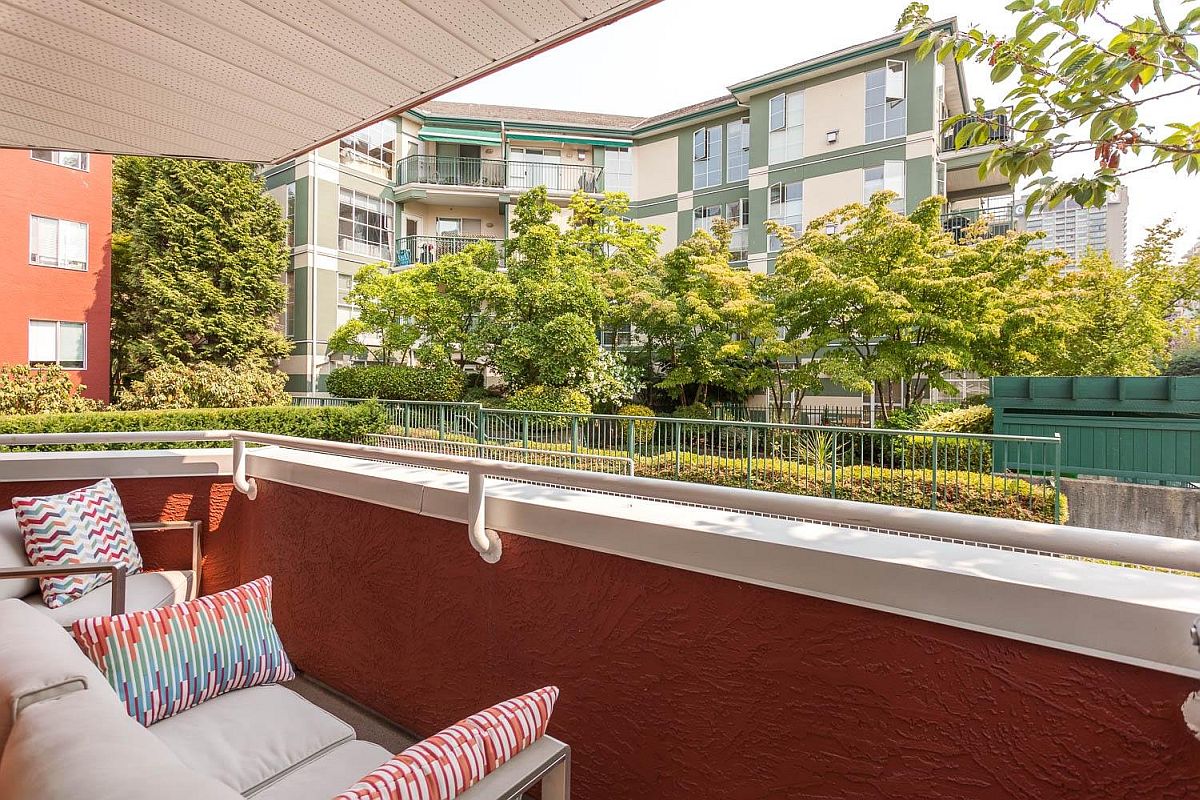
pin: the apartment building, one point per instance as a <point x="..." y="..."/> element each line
<point x="790" y="146"/>
<point x="57" y="271"/>
<point x="1075" y="229"/>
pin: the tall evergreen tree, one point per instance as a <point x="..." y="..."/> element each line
<point x="198" y="253"/>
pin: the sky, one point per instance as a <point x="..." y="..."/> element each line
<point x="684" y="51"/>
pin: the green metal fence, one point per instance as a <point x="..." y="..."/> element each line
<point x="905" y="468"/>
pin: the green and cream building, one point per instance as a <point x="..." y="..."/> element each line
<point x="790" y="146"/>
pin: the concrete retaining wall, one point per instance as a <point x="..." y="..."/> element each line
<point x="1157" y="510"/>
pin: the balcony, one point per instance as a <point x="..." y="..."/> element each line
<point x="428" y="249"/>
<point x="708" y="642"/>
<point x="514" y="175"/>
<point x="999" y="131"/>
<point x="996" y="222"/>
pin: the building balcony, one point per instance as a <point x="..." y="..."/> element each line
<point x="998" y="131"/>
<point x="428" y="249"/>
<point x="996" y="221"/>
<point x="708" y="642"/>
<point x="498" y="175"/>
<point x="962" y="163"/>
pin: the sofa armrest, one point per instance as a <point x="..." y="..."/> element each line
<point x="117" y="571"/>
<point x="194" y="525"/>
<point x="547" y="761"/>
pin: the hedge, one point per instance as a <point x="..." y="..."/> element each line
<point x="968" y="419"/>
<point x="443" y="384"/>
<point x="341" y="424"/>
<point x="202" y="385"/>
<point x="549" y="399"/>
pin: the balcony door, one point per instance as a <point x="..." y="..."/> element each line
<point x="455" y="233"/>
<point x="533" y="166"/>
<point x="458" y="164"/>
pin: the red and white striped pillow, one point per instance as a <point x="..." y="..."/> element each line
<point x="448" y="763"/>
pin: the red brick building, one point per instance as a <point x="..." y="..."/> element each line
<point x="56" y="262"/>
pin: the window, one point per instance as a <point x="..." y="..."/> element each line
<point x="706" y="157"/>
<point x="737" y="164"/>
<point x="58" y="243"/>
<point x="63" y="158"/>
<point x="61" y="343"/>
<point x="940" y="177"/>
<point x="374" y="145"/>
<point x="787" y="128"/>
<point x="346" y="310"/>
<point x="887" y="107"/>
<point x="459" y="227"/>
<point x="738" y="213"/>
<point x="889" y="177"/>
<point x="289" y="309"/>
<point x="289" y="213"/>
<point x="704" y="217"/>
<point x="618" y="170"/>
<point x="538" y="166"/>
<point x="365" y="224"/>
<point x="786" y="206"/>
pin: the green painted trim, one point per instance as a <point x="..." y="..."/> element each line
<point x="431" y="133"/>
<point x="695" y="116"/>
<point x="280" y="177"/>
<point x="847" y="158"/>
<point x="527" y="136"/>
<point x="824" y="62"/>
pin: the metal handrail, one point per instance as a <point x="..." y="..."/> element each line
<point x="1115" y="546"/>
<point x="499" y="173"/>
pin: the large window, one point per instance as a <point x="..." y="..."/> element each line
<point x="374" y="145"/>
<point x="787" y="128"/>
<point x="61" y="343"/>
<point x="737" y="165"/>
<point x="703" y="218"/>
<point x="289" y="213"/>
<point x="887" y="108"/>
<point x="786" y="206"/>
<point x="889" y="177"/>
<point x="364" y="224"/>
<point x="459" y="227"/>
<point x="63" y="158"/>
<point x="738" y="214"/>
<point x="346" y="310"/>
<point x="618" y="170"/>
<point x="539" y="166"/>
<point x="706" y="157"/>
<point x="289" y="308"/>
<point x="58" y="243"/>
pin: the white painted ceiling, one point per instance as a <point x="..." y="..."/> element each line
<point x="252" y="80"/>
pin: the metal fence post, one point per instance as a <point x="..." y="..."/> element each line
<point x="407" y="411"/>
<point x="574" y="434"/>
<point x="678" y="429"/>
<point x="441" y="422"/>
<point x="933" y="494"/>
<point x="480" y="425"/>
<point x="833" y="466"/>
<point x="630" y="441"/>
<point x="1057" y="478"/>
<point x="525" y="431"/>
<point x="749" y="455"/>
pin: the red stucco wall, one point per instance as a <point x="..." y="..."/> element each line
<point x="680" y="685"/>
<point x="37" y="292"/>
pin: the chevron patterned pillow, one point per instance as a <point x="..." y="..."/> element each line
<point x="166" y="660"/>
<point x="85" y="526"/>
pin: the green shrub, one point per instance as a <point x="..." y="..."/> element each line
<point x="643" y="429"/>
<point x="442" y="383"/>
<point x="967" y="493"/>
<point x="909" y="419"/>
<point x="969" y="419"/>
<point x="45" y="390"/>
<point x="342" y="424"/>
<point x="1185" y="361"/>
<point x="549" y="398"/>
<point x="693" y="411"/>
<point x="953" y="453"/>
<point x="205" y="385"/>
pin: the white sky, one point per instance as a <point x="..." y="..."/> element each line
<point x="683" y="51"/>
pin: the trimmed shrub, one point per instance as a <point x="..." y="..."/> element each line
<point x="549" y="398"/>
<point x="203" y="385"/>
<point x="341" y="424"/>
<point x="693" y="411"/>
<point x="1185" y="361"/>
<point x="643" y="429"/>
<point x="909" y="419"/>
<point x="970" y="419"/>
<point x="45" y="390"/>
<point x="442" y="383"/>
<point x="953" y="453"/>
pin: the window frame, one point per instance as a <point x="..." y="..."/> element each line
<point x="883" y="184"/>
<point x="786" y="144"/>
<point x="84" y="158"/>
<point x="893" y="111"/>
<point x="58" y="263"/>
<point x="739" y="170"/>
<point x="777" y="208"/>
<point x="387" y="231"/>
<point x="361" y="145"/>
<point x="58" y="360"/>
<point x="624" y="154"/>
<point x="712" y="165"/>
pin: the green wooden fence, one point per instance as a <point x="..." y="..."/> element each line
<point x="1133" y="429"/>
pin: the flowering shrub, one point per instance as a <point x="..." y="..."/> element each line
<point x="45" y="390"/>
<point x="206" y="385"/>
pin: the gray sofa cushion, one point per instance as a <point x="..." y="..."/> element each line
<point x="80" y="745"/>
<point x="12" y="554"/>
<point x="325" y="777"/>
<point x="250" y="737"/>
<point x="143" y="591"/>
<point x="39" y="659"/>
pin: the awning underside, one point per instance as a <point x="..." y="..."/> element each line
<point x="252" y="80"/>
<point x="432" y="133"/>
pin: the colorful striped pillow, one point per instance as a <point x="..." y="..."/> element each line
<point x="448" y="763"/>
<point x="511" y="726"/>
<point x="166" y="660"/>
<point x="438" y="768"/>
<point x="86" y="526"/>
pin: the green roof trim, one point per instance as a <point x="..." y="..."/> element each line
<point x="594" y="141"/>
<point x="431" y="133"/>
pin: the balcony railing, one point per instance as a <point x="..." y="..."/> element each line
<point x="999" y="130"/>
<point x="998" y="221"/>
<point x="428" y="249"/>
<point x="500" y="174"/>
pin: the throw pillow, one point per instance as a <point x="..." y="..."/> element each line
<point x="85" y="526"/>
<point x="165" y="660"/>
<point x="438" y="768"/>
<point x="511" y="726"/>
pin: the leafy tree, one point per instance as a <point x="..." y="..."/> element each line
<point x="1184" y="361"/>
<point x="705" y="322"/>
<point x="383" y="330"/>
<point x="1086" y="82"/>
<point x="198" y="255"/>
